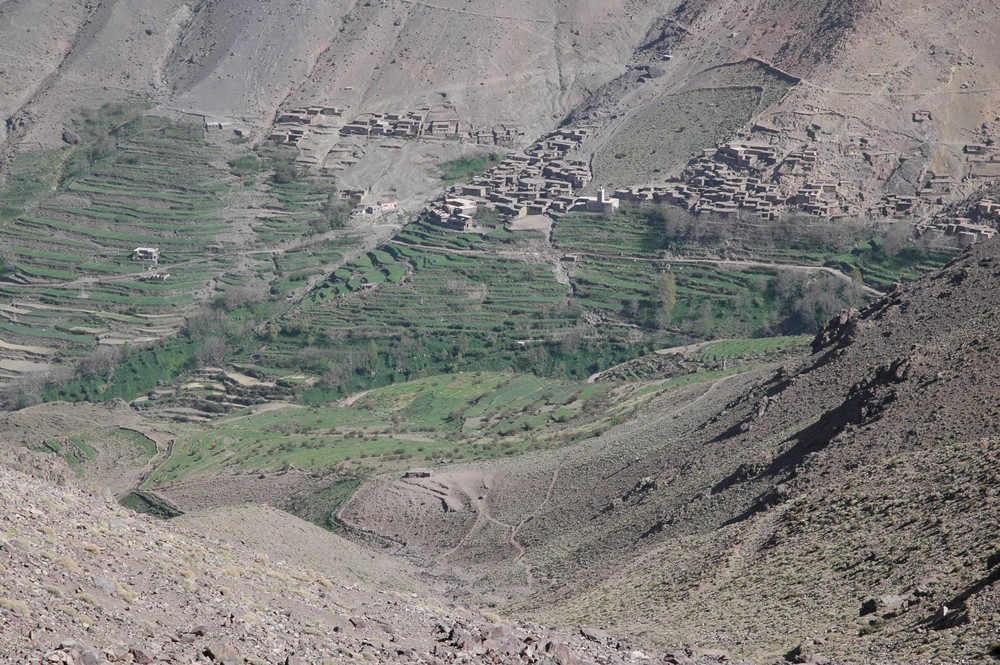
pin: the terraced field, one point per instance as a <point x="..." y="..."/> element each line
<point x="71" y="218"/>
<point x="464" y="416"/>
<point x="76" y="284"/>
<point x="627" y="232"/>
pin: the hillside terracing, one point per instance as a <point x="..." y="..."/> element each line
<point x="842" y="505"/>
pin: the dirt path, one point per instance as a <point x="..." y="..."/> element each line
<point x="513" y="534"/>
<point x="685" y="351"/>
<point x="484" y="516"/>
<point x="743" y="263"/>
<point x="350" y="401"/>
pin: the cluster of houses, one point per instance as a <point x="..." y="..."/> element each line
<point x="983" y="160"/>
<point x="733" y="177"/>
<point x="747" y="175"/>
<point x="988" y="209"/>
<point x="291" y="126"/>
<point x="896" y="205"/>
<point x="541" y="181"/>
<point x="961" y="229"/>
<point x="425" y="124"/>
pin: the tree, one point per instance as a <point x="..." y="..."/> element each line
<point x="241" y="296"/>
<point x="101" y="362"/>
<point x="334" y="214"/>
<point x="897" y="237"/>
<point x="7" y="262"/>
<point x="285" y="173"/>
<point x="22" y="392"/>
<point x="212" y="352"/>
<point x="666" y="290"/>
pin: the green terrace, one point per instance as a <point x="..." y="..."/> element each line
<point x="482" y="293"/>
<point x="72" y="248"/>
<point x="493" y="235"/>
<point x="628" y="233"/>
<point x="474" y="415"/>
<point x="293" y="210"/>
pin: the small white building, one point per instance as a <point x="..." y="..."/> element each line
<point x="601" y="203"/>
<point x="146" y="254"/>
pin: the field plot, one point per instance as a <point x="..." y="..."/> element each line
<point x="75" y="282"/>
<point x="491" y="233"/>
<point x="446" y="417"/>
<point x="297" y="265"/>
<point x="662" y="134"/>
<point x="125" y="446"/>
<point x="725" y="349"/>
<point x="711" y="301"/>
<point x="292" y="210"/>
<point x="627" y="232"/>
<point x="407" y="308"/>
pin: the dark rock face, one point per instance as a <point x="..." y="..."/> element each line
<point x="72" y="138"/>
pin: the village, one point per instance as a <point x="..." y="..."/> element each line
<point x="294" y="125"/>
<point x="745" y="176"/>
<point x="543" y="180"/>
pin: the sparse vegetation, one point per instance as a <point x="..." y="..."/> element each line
<point x="16" y="606"/>
<point x="245" y="165"/>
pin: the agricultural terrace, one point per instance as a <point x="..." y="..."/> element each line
<point x="448" y="417"/>
<point x="71" y="218"/>
<point x="127" y="446"/>
<point x="74" y="281"/>
<point x="599" y="291"/>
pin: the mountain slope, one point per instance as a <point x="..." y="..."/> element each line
<point x="84" y="580"/>
<point x="769" y="510"/>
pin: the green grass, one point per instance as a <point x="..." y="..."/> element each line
<point x="749" y="348"/>
<point x="73" y="450"/>
<point x="459" y="170"/>
<point x="139" y="372"/>
<point x="80" y="449"/>
<point x="627" y="233"/>
<point x="461" y="416"/>
<point x="320" y="507"/>
<point x="149" y="504"/>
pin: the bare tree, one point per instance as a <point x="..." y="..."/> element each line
<point x="242" y="296"/>
<point x="212" y="352"/>
<point x="897" y="238"/>
<point x="339" y="372"/>
<point x="101" y="362"/>
<point x="22" y="392"/>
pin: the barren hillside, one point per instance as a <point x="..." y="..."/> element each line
<point x="87" y="581"/>
<point x="303" y="247"/>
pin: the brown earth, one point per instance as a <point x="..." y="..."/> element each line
<point x="83" y="580"/>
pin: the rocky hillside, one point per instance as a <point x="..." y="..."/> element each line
<point x="842" y="506"/>
<point x="528" y="65"/>
<point x="83" y="580"/>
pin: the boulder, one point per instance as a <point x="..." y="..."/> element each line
<point x="594" y="635"/>
<point x="72" y="138"/>
<point x="222" y="653"/>
<point x="141" y="655"/>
